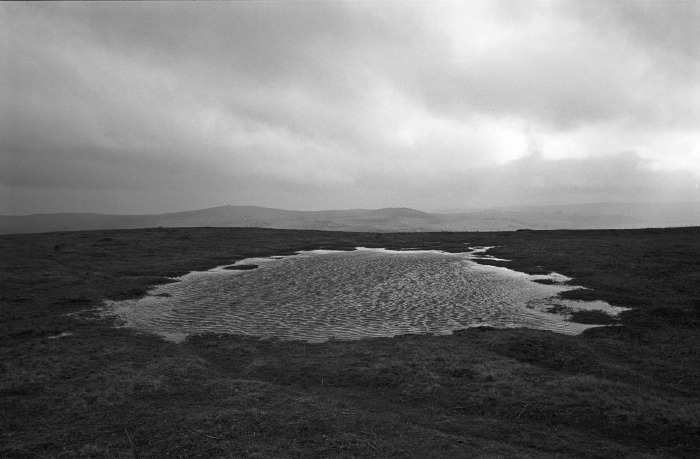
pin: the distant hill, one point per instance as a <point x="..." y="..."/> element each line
<point x="581" y="216"/>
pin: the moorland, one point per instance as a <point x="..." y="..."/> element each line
<point x="74" y="385"/>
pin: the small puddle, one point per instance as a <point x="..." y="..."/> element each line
<point x="60" y="335"/>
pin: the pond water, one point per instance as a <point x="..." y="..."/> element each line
<point x="318" y="295"/>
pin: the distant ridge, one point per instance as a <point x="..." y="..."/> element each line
<point x="578" y="216"/>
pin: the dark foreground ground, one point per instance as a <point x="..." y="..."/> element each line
<point x="627" y="390"/>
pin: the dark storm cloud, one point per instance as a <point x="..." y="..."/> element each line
<point x="533" y="180"/>
<point x="669" y="27"/>
<point x="318" y="105"/>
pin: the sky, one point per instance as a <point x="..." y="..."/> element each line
<point x="149" y="107"/>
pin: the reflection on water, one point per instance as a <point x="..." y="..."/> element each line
<point x="317" y="295"/>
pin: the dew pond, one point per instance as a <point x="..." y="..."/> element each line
<point x="318" y="295"/>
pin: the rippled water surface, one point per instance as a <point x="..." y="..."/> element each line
<point x="349" y="295"/>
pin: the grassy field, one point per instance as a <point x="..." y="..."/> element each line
<point x="628" y="390"/>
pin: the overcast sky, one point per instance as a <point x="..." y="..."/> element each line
<point x="156" y="107"/>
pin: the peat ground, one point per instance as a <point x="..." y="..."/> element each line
<point x="73" y="387"/>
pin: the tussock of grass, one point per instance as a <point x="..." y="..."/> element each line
<point x="241" y="267"/>
<point x="547" y="281"/>
<point x="594" y="317"/>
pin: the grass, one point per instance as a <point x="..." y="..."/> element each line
<point x="627" y="390"/>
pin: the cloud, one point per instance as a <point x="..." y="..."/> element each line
<point x="318" y="105"/>
<point x="561" y="67"/>
<point x="663" y="27"/>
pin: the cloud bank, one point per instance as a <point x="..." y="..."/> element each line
<point x="155" y="107"/>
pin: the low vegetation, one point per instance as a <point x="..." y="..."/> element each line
<point x="73" y="385"/>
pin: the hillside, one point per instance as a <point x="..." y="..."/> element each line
<point x="583" y="216"/>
